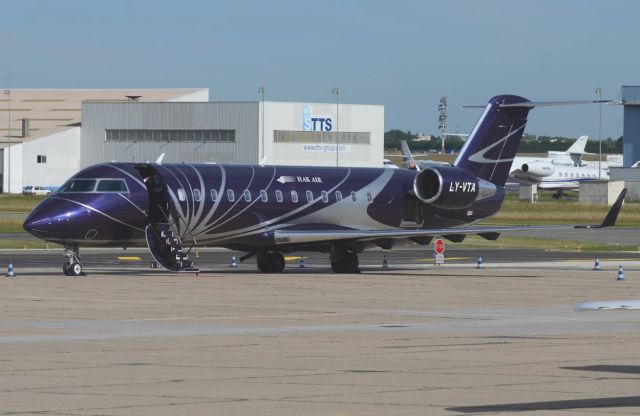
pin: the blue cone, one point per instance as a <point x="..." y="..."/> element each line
<point x="620" y="273"/>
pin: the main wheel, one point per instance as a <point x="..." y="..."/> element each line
<point x="346" y="263"/>
<point x="65" y="269"/>
<point x="270" y="262"/>
<point x="76" y="269"/>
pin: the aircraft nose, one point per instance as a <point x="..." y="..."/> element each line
<point x="37" y="222"/>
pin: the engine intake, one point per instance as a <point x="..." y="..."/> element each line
<point x="538" y="168"/>
<point x="450" y="187"/>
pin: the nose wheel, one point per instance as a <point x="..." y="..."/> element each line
<point x="72" y="266"/>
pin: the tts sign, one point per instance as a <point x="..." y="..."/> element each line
<point x="314" y="122"/>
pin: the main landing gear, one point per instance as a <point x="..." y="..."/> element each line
<point x="345" y="262"/>
<point x="270" y="262"/>
<point x="72" y="267"/>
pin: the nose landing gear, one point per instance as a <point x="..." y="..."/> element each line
<point x="72" y="266"/>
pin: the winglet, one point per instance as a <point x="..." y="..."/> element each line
<point x="612" y="215"/>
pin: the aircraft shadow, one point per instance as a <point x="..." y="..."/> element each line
<point x="624" y="369"/>
<point x="629" y="401"/>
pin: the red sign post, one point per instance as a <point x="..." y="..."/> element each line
<point x="439" y="248"/>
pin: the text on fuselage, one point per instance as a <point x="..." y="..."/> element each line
<point x="457" y="186"/>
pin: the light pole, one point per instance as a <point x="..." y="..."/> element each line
<point x="442" y="118"/>
<point x="8" y="93"/>
<point x="261" y="93"/>
<point x="336" y="92"/>
<point x="599" y="92"/>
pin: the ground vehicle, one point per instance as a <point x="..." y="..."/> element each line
<point x="35" y="190"/>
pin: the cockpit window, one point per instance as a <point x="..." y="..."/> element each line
<point x="79" y="185"/>
<point x="112" y="185"/>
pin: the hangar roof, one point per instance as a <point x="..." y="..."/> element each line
<point x="50" y="110"/>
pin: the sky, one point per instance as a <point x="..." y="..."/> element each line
<point x="401" y="54"/>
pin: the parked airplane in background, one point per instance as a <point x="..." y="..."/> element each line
<point x="560" y="171"/>
<point x="266" y="211"/>
<point x="571" y="156"/>
<point x="409" y="162"/>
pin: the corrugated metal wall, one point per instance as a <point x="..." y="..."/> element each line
<point x="630" y="94"/>
<point x="239" y="116"/>
<point x="631" y="135"/>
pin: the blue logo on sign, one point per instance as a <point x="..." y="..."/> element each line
<point x="310" y="123"/>
<point x="306" y="119"/>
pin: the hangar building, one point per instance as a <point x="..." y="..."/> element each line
<point x="55" y="133"/>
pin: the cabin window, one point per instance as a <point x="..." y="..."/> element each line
<point x="354" y="196"/>
<point x="263" y="196"/>
<point x="230" y="195"/>
<point x="196" y="195"/>
<point x="369" y="197"/>
<point x="214" y="195"/>
<point x="572" y="174"/>
<point x="182" y="196"/>
<point x="294" y="196"/>
<point x="325" y="196"/>
<point x="338" y="196"/>
<point x="112" y="185"/>
<point x="279" y="196"/>
<point x="247" y="195"/>
<point x="79" y="185"/>
<point x="309" y="196"/>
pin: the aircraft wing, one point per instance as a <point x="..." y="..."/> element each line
<point x="310" y="236"/>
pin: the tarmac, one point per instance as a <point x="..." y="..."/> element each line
<point x="416" y="339"/>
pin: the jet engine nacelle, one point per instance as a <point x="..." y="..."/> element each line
<point x="538" y="168"/>
<point x="448" y="187"/>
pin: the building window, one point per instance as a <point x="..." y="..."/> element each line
<point x="170" y="136"/>
<point x="279" y="196"/>
<point x="294" y="196"/>
<point x="247" y="195"/>
<point x="196" y="195"/>
<point x="321" y="137"/>
<point x="338" y="196"/>
<point x="309" y="196"/>
<point x="214" y="195"/>
<point x="230" y="195"/>
<point x="42" y="158"/>
<point x="263" y="196"/>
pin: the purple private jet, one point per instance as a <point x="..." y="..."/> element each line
<point x="266" y="211"/>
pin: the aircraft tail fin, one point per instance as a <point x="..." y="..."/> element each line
<point x="492" y="145"/>
<point x="406" y="152"/>
<point x="578" y="146"/>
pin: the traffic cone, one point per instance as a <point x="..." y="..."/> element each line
<point x="301" y="263"/>
<point x="234" y="263"/>
<point x="480" y="263"/>
<point x="385" y="262"/>
<point x="10" y="272"/>
<point x="620" y="274"/>
<point x="596" y="266"/>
